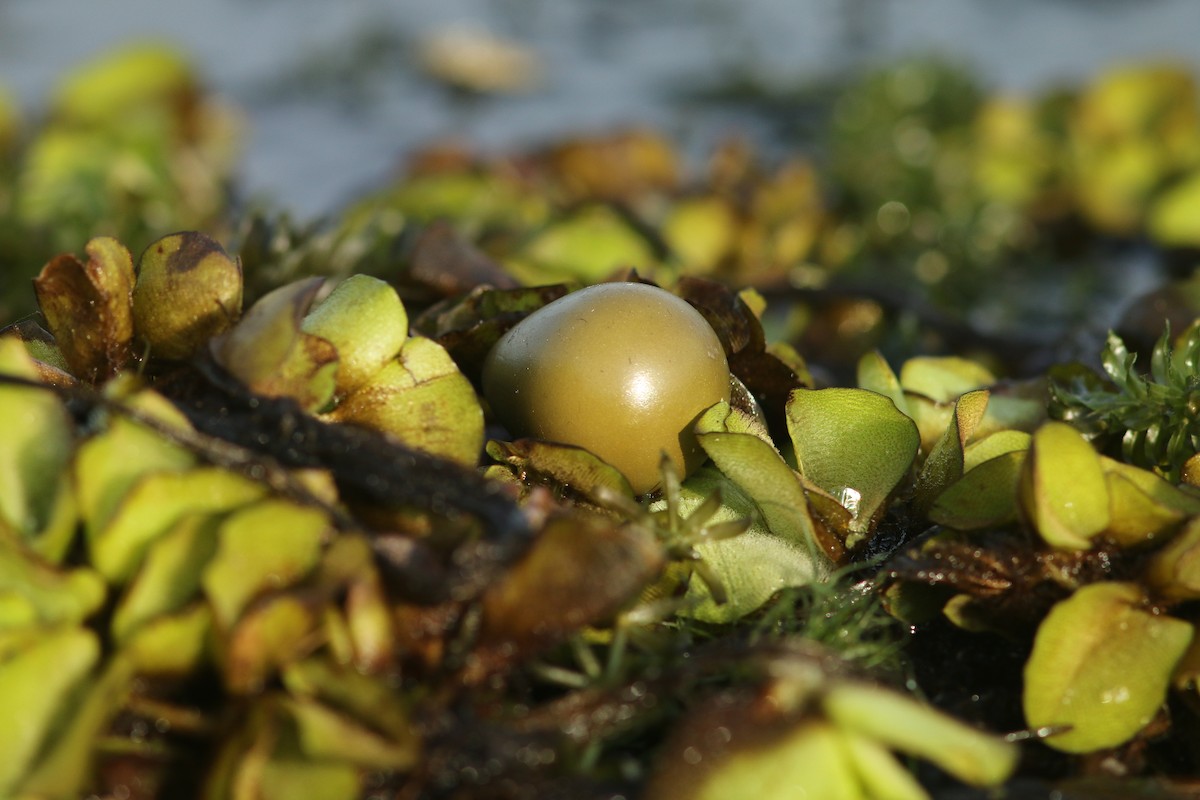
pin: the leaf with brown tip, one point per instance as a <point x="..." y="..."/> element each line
<point x="89" y="307"/>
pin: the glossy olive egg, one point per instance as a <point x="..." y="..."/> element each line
<point x="620" y="369"/>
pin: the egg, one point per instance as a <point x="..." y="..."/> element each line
<point x="620" y="369"/>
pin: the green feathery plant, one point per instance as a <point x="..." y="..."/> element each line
<point x="1155" y="417"/>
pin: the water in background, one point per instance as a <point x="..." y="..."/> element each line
<point x="333" y="97"/>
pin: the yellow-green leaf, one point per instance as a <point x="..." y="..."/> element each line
<point x="266" y="546"/>
<point x="365" y="320"/>
<point x="111" y="462"/>
<point x="34" y="450"/>
<point x="423" y="400"/>
<point x="751" y="566"/>
<point x="171" y="644"/>
<point x="270" y="353"/>
<point x="984" y="497"/>
<point x="945" y="463"/>
<point x="1101" y="663"/>
<point x="188" y="290"/>
<point x="902" y="723"/>
<point x="35" y="593"/>
<point x="170" y="575"/>
<point x="154" y="504"/>
<point x="326" y="734"/>
<point x="1063" y="493"/>
<point x="1174" y="571"/>
<point x="1144" y="507"/>
<point x="753" y="464"/>
<point x="35" y="684"/>
<point x="875" y="375"/>
<point x="571" y="468"/>
<point x="776" y="762"/>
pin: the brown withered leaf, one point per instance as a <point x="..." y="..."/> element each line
<point x="88" y="307"/>
<point x="469" y="326"/>
<point x="571" y="471"/>
<point x="1006" y="581"/>
<point x="447" y="264"/>
<point x="580" y="571"/>
<point x="768" y="376"/>
<point x="622" y="166"/>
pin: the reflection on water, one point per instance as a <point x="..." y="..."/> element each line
<point x="334" y="93"/>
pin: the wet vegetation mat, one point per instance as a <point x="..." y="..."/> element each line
<point x="589" y="472"/>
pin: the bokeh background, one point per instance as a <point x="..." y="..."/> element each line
<point x="333" y="94"/>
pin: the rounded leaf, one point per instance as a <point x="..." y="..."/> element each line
<point x="1101" y="663"/>
<point x="854" y="444"/>
<point x="365" y="320"/>
<point x="269" y="353"/>
<point x="1063" y="490"/>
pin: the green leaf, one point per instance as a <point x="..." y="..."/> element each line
<point x="1144" y="507"/>
<point x="117" y="83"/>
<point x="882" y="776"/>
<point x="943" y="378"/>
<point x="270" y="353"/>
<point x="284" y="778"/>
<point x="1101" y="663"/>
<point x="325" y="734"/>
<point x="701" y="230"/>
<point x="945" y="463"/>
<point x="171" y="644"/>
<point x="751" y="566"/>
<point x="904" y="724"/>
<point x="65" y="767"/>
<point x="155" y="504"/>
<point x="344" y="687"/>
<point x="111" y="462"/>
<point x="755" y="466"/>
<point x="775" y="762"/>
<point x="423" y="400"/>
<point x="587" y="246"/>
<point x="982" y="498"/>
<point x="33" y="593"/>
<point x="280" y="629"/>
<point x="36" y="684"/>
<point x="1174" y="571"/>
<point x="992" y="445"/>
<point x="854" y="444"/>
<point x="1063" y="493"/>
<point x="1174" y="214"/>
<point x="170" y="575"/>
<point x="365" y="320"/>
<point x="266" y="546"/>
<point x="571" y="469"/>
<point x="875" y="375"/>
<point x="34" y="451"/>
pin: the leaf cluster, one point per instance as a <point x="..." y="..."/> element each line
<point x="274" y="542"/>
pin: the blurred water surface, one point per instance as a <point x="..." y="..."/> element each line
<point x="333" y="97"/>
